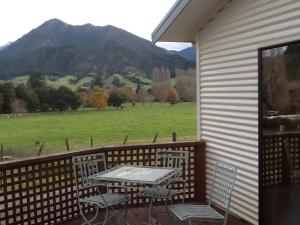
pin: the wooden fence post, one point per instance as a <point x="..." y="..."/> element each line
<point x="155" y="137"/>
<point x="1" y="153"/>
<point x="67" y="144"/>
<point x="92" y="142"/>
<point x="174" y="136"/>
<point x="41" y="149"/>
<point x="125" y="140"/>
<point x="200" y="172"/>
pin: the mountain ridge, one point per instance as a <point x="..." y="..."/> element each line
<point x="187" y="53"/>
<point x="58" y="48"/>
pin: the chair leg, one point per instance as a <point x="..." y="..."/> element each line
<point x="88" y="222"/>
<point x="105" y="221"/>
<point x="126" y="210"/>
<point x="183" y="199"/>
<point x="166" y="206"/>
<point x="173" y="219"/>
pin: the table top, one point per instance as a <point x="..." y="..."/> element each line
<point x="137" y="174"/>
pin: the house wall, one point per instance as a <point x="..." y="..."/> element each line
<point x="228" y="87"/>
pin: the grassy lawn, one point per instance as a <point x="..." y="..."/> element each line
<point x="107" y="127"/>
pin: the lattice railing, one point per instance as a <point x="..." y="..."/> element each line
<point x="275" y="164"/>
<point x="41" y="190"/>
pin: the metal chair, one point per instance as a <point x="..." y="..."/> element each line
<point x="220" y="194"/>
<point x="294" y="172"/>
<point x="85" y="166"/>
<point x="168" y="159"/>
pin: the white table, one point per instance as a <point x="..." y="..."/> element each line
<point x="137" y="175"/>
<point x="132" y="176"/>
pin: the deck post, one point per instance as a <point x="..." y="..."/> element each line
<point x="200" y="173"/>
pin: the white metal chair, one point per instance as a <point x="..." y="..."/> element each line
<point x="293" y="171"/>
<point x="168" y="159"/>
<point x="220" y="195"/>
<point x="85" y="166"/>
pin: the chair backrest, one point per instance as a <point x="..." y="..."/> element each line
<point x="222" y="184"/>
<point x="172" y="159"/>
<point x="85" y="166"/>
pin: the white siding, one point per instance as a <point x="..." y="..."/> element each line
<point x="228" y="87"/>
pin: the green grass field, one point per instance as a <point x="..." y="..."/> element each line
<point x="107" y="127"/>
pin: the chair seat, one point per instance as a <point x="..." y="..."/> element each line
<point x="105" y="200"/>
<point x="159" y="192"/>
<point x="189" y="211"/>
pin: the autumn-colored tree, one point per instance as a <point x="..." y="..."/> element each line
<point x="173" y="96"/>
<point x="98" y="98"/>
<point x="128" y="93"/>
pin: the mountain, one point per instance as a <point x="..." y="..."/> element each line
<point x="5" y="46"/>
<point x="188" y="53"/>
<point x="57" y="48"/>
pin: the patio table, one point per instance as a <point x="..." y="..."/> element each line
<point x="129" y="176"/>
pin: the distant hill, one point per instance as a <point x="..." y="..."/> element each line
<point x="188" y="53"/>
<point x="57" y="48"/>
<point x="5" y="46"/>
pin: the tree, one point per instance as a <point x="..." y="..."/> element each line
<point x="98" y="98"/>
<point x="18" y="106"/>
<point x="161" y="83"/>
<point x="1" y="101"/>
<point x="36" y="81"/>
<point x="99" y="81"/>
<point x="117" y="82"/>
<point x="173" y="97"/>
<point x="46" y="98"/>
<point x="116" y="98"/>
<point x="66" y="98"/>
<point x="186" y="84"/>
<point x="128" y="92"/>
<point x="141" y="94"/>
<point x="29" y="96"/>
<point x="83" y="97"/>
<point x="7" y="91"/>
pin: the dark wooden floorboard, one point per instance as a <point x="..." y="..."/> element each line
<point x="138" y="216"/>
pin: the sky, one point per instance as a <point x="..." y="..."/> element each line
<point x="140" y="17"/>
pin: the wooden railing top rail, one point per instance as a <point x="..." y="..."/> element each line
<point x="45" y="158"/>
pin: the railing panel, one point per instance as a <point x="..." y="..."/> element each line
<point x="275" y="165"/>
<point x="41" y="190"/>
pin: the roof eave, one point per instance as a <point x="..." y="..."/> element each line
<point x="174" y="12"/>
<point x="186" y="18"/>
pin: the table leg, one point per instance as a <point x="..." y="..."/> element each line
<point x="150" y="211"/>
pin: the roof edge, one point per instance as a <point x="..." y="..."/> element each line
<point x="176" y="9"/>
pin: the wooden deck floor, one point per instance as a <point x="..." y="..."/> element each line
<point x="282" y="204"/>
<point x="138" y="216"/>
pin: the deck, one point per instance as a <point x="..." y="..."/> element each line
<point x="138" y="216"/>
